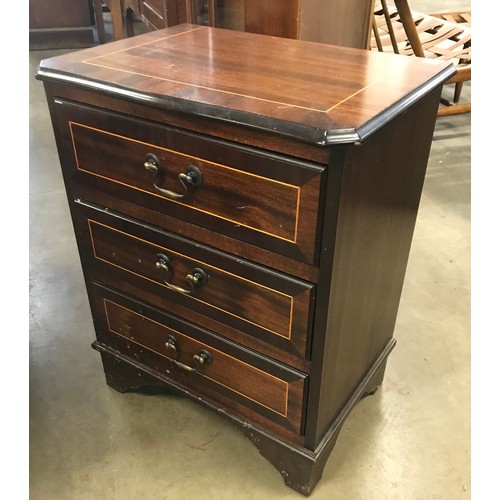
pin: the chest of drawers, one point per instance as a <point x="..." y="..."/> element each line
<point x="244" y="208"/>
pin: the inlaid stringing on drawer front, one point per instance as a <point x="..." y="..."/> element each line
<point x="253" y="392"/>
<point x="267" y="200"/>
<point x="285" y="332"/>
<point x="282" y="190"/>
<point x="257" y="340"/>
<point x="255" y="306"/>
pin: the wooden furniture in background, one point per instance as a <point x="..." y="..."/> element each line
<point x="60" y="24"/>
<point x="115" y="8"/>
<point x="444" y="36"/>
<point x="244" y="229"/>
<point x="99" y="8"/>
<point x="339" y="22"/>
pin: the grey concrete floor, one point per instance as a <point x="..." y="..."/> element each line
<point x="411" y="440"/>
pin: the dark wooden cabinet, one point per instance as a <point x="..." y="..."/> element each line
<point x="244" y="208"/>
<point x="56" y="24"/>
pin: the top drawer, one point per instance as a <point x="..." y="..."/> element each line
<point x="263" y="199"/>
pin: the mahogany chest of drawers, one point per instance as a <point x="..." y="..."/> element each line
<point x="244" y="208"/>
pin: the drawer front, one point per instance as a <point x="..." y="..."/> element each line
<point x="177" y="274"/>
<point x="262" y="199"/>
<point x="199" y="360"/>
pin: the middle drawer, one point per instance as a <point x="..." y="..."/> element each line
<point x="253" y="305"/>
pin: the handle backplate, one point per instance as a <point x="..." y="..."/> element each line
<point x="191" y="177"/>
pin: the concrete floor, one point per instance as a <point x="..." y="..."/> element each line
<point x="411" y="440"/>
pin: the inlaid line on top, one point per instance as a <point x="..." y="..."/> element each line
<point x="205" y="87"/>
<point x="92" y="62"/>
<point x="142" y="44"/>
<point x="354" y="94"/>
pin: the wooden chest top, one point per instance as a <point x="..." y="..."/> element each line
<point x="316" y="93"/>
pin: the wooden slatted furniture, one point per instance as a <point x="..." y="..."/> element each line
<point x="460" y="17"/>
<point x="244" y="229"/>
<point x="444" y="36"/>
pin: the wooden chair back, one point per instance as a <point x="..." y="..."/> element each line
<point x="447" y="36"/>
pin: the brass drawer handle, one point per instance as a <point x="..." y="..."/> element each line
<point x="203" y="358"/>
<point x="191" y="176"/>
<point x="196" y="278"/>
<point x="172" y="344"/>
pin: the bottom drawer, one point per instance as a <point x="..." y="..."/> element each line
<point x="232" y="376"/>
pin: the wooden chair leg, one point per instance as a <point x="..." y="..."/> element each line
<point x="129" y="22"/>
<point x="458" y="91"/>
<point x="99" y="20"/>
<point x="116" y="18"/>
<point x="189" y="11"/>
<point x="212" y="14"/>
<point x="454" y="109"/>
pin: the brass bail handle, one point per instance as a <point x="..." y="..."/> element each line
<point x="201" y="359"/>
<point x="172" y="345"/>
<point x="191" y="177"/>
<point x="196" y="278"/>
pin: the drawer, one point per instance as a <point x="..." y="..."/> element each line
<point x="263" y="199"/>
<point x="238" y="299"/>
<point x="196" y="358"/>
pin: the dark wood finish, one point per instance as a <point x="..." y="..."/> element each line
<point x="355" y="142"/>
<point x="243" y="193"/>
<point x="272" y="260"/>
<point x="267" y="92"/>
<point x="234" y="374"/>
<point x="376" y="195"/>
<point x="57" y="24"/>
<point x="125" y="374"/>
<point x="302" y="468"/>
<point x="239" y="295"/>
<point x="205" y="125"/>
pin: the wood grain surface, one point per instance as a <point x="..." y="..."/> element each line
<point x="334" y="94"/>
<point x="234" y="374"/>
